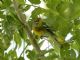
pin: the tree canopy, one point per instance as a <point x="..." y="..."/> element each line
<point x="16" y="22"/>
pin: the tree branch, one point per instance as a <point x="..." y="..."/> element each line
<point x="26" y="27"/>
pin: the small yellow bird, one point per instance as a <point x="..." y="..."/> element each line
<point x="40" y="28"/>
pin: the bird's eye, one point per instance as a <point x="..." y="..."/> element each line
<point x="38" y="20"/>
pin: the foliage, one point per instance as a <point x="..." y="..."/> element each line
<point x="62" y="16"/>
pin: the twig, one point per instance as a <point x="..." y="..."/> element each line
<point x="23" y="50"/>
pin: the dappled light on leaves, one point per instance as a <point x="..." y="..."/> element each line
<point x="40" y="29"/>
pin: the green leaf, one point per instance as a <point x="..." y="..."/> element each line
<point x="7" y="3"/>
<point x="52" y="55"/>
<point x="6" y="40"/>
<point x="36" y="12"/>
<point x="63" y="27"/>
<point x="17" y="38"/>
<point x="75" y="45"/>
<point x="65" y="9"/>
<point x="7" y="25"/>
<point x="76" y="9"/>
<point x="35" y="1"/>
<point x="64" y="51"/>
<point x="76" y="38"/>
<point x="67" y="53"/>
<point x="32" y="55"/>
<point x="21" y="58"/>
<point x="77" y="35"/>
<point x="27" y="7"/>
<point x="1" y="49"/>
<point x="21" y="1"/>
<point x="13" y="54"/>
<point x="73" y="54"/>
<point x="23" y="33"/>
<point x="77" y="22"/>
<point x="1" y="14"/>
<point x="52" y="3"/>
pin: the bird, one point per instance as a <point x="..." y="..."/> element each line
<point x="40" y="29"/>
